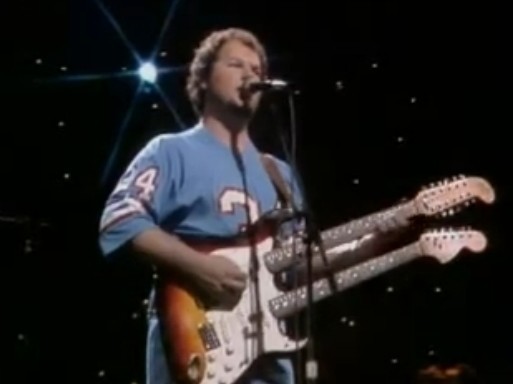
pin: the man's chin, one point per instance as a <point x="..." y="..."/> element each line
<point x="243" y="110"/>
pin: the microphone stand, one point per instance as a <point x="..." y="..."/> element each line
<point x="311" y="237"/>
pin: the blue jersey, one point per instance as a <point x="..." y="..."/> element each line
<point x="190" y="185"/>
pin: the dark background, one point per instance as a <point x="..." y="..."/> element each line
<point x="423" y="97"/>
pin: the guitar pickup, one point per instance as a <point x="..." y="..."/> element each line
<point x="209" y="336"/>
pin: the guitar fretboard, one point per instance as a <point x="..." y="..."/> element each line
<point x="296" y="300"/>
<point x="281" y="258"/>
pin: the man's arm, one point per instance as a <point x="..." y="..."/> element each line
<point x="143" y="197"/>
<point x="169" y="252"/>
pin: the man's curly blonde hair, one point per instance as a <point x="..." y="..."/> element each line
<point x="206" y="54"/>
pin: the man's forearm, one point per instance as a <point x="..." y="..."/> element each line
<point x="168" y="251"/>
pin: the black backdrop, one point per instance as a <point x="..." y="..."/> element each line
<point x="393" y="96"/>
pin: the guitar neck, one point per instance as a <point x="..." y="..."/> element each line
<point x="280" y="258"/>
<point x="357" y="228"/>
<point x="296" y="300"/>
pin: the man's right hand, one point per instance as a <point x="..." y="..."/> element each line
<point x="221" y="280"/>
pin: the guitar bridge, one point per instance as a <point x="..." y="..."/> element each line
<point x="209" y="337"/>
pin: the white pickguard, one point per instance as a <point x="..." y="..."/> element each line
<point x="238" y="350"/>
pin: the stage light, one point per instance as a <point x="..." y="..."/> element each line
<point x="148" y="72"/>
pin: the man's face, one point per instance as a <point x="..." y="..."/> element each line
<point x="236" y="65"/>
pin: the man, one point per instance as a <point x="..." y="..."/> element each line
<point x="204" y="184"/>
<point x="189" y="185"/>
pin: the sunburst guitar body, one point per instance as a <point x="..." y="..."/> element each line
<point x="215" y="345"/>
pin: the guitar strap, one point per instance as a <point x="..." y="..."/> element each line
<point x="279" y="183"/>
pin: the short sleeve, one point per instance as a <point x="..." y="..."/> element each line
<point x="139" y="198"/>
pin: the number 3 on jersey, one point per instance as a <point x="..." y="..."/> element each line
<point x="231" y="198"/>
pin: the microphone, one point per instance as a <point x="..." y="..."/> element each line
<point x="267" y="85"/>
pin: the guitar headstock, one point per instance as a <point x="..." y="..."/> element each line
<point x="448" y="196"/>
<point x="446" y="244"/>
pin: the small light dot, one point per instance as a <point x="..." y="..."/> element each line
<point x="413" y="100"/>
<point x="61" y="124"/>
<point x="356" y="181"/>
<point x="394" y="361"/>
<point x="66" y="176"/>
<point x="374" y="65"/>
<point x="28" y="246"/>
<point x="352" y="323"/>
<point x="163" y="54"/>
<point x="21" y="336"/>
<point x="390" y="289"/>
<point x="343" y="319"/>
<point x="339" y="85"/>
<point x="400" y="139"/>
<point x="145" y="302"/>
<point x="64" y="69"/>
<point x="135" y="315"/>
<point x="101" y="373"/>
<point x="297" y="92"/>
<point x="123" y="68"/>
<point x="438" y="289"/>
<point x="431" y="353"/>
<point x="39" y="61"/>
<point x="155" y="106"/>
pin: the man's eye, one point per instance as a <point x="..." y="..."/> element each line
<point x="236" y="64"/>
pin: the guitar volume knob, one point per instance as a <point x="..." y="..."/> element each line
<point x="229" y="350"/>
